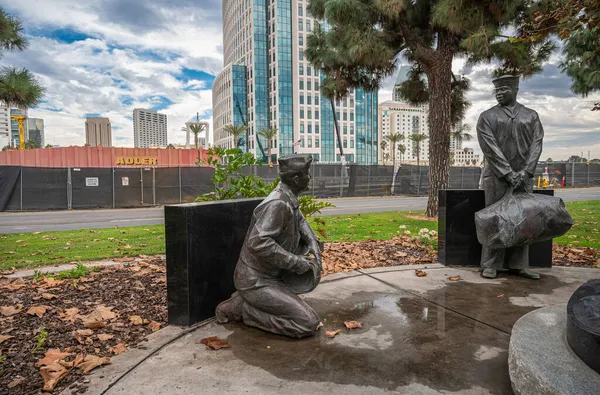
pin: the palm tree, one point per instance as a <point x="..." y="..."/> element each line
<point x="12" y="36"/>
<point x="19" y="89"/>
<point x="196" y="128"/>
<point x="461" y="133"/>
<point x="417" y="139"/>
<point x="236" y="132"/>
<point x="269" y="134"/>
<point x="393" y="138"/>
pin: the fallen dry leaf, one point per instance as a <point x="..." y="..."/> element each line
<point x="48" y="296"/>
<point x="71" y="364"/>
<point x="118" y="349"/>
<point x="136" y="320"/>
<point x="93" y="324"/>
<point x="52" y="282"/>
<point x="95" y="319"/>
<point x="51" y="356"/>
<point x="215" y="343"/>
<point x="454" y="278"/>
<point x="38" y="310"/>
<point x="4" y="338"/>
<point x="15" y="284"/>
<point x="420" y="273"/>
<point x="15" y="382"/>
<point x="352" y="324"/>
<point x="52" y="374"/>
<point x="154" y="326"/>
<point x="91" y="362"/>
<point x="319" y="326"/>
<point x="69" y="314"/>
<point x="84" y="332"/>
<point x="10" y="310"/>
<point x="332" y="333"/>
<point x="104" y="337"/>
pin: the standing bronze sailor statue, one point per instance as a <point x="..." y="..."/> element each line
<point x="510" y="136"/>
<point x="274" y="264"/>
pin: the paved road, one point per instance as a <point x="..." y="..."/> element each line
<point x="89" y="219"/>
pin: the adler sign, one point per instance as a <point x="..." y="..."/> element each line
<point x="136" y="160"/>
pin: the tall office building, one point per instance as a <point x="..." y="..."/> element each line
<point x="98" y="132"/>
<point x="4" y="127"/>
<point x="402" y="76"/>
<point x="149" y="128"/>
<point x="267" y="83"/>
<point x="35" y="131"/>
<point x="404" y="119"/>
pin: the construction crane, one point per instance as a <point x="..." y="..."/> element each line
<point x="20" y="119"/>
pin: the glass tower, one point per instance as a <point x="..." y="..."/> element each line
<point x="263" y="46"/>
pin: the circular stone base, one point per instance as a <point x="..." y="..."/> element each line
<point x="540" y="360"/>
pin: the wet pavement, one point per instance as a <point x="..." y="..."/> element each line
<point x="420" y="335"/>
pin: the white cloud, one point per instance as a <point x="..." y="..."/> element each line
<point x="122" y="66"/>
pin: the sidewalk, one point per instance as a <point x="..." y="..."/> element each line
<point x="420" y="335"/>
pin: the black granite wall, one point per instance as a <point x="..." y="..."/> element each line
<point x="457" y="236"/>
<point x="203" y="244"/>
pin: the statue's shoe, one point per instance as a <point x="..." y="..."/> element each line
<point x="489" y="273"/>
<point x="230" y="310"/>
<point x="526" y="274"/>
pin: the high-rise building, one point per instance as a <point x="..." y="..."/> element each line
<point x="402" y="76"/>
<point x="149" y="128"/>
<point x="35" y="131"/>
<point x="267" y="83"/>
<point x="405" y="119"/>
<point x="5" y="134"/>
<point x="98" y="132"/>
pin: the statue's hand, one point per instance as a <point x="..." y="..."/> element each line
<point x="316" y="251"/>
<point x="305" y="264"/>
<point x="513" y="179"/>
<point x="525" y="177"/>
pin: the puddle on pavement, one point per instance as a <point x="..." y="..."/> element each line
<point x="404" y="339"/>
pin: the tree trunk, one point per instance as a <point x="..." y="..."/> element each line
<point x="393" y="168"/>
<point x="439" y="77"/>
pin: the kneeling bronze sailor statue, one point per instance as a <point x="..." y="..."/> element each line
<point x="274" y="264"/>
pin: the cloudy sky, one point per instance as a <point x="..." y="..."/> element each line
<point x="107" y="57"/>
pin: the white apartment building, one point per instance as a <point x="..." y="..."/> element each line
<point x="404" y="119"/>
<point x="149" y="128"/>
<point x="4" y="127"/>
<point x="466" y="157"/>
<point x="266" y="82"/>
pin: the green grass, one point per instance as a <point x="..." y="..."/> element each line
<point x="376" y="226"/>
<point x="50" y="248"/>
<point x="586" y="231"/>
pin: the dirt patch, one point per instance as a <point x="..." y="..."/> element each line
<point x="89" y="318"/>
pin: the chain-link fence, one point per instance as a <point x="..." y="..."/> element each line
<point x="36" y="188"/>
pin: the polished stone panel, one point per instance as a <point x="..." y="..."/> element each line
<point x="457" y="239"/>
<point x="203" y="242"/>
<point x="583" y="323"/>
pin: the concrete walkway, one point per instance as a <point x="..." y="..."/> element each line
<point x="420" y="335"/>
